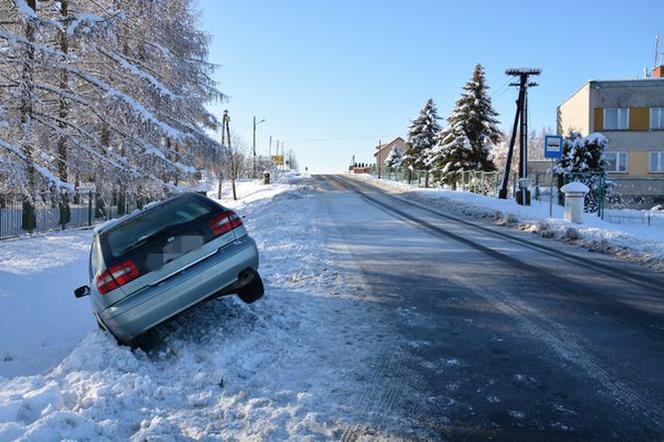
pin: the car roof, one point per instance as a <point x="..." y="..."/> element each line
<point x="112" y="223"/>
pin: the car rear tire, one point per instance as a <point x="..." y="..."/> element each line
<point x="252" y="291"/>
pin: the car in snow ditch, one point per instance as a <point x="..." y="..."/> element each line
<point x="157" y="262"/>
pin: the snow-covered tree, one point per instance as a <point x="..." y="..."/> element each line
<point x="394" y="158"/>
<point x="422" y="135"/>
<point x="583" y="160"/>
<point x="472" y="122"/>
<point x="452" y="154"/>
<point x="111" y="92"/>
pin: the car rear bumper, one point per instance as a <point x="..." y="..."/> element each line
<point x="153" y="304"/>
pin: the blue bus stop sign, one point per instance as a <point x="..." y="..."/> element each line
<point x="553" y="146"/>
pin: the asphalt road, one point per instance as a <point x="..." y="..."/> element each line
<point x="497" y="334"/>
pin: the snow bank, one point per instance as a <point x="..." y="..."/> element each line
<point x="637" y="243"/>
<point x="39" y="320"/>
<point x="285" y="367"/>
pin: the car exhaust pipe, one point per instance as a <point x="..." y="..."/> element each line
<point x="245" y="277"/>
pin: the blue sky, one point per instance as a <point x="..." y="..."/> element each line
<point x="331" y="78"/>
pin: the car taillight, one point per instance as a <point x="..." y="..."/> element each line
<point x="225" y="222"/>
<point x="115" y="276"/>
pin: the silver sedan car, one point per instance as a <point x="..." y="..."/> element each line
<point x="153" y="264"/>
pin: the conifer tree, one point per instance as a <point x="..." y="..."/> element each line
<point x="394" y="158"/>
<point x="472" y="131"/>
<point x="422" y="135"/>
<point x="453" y="153"/>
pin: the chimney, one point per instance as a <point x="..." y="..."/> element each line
<point x="658" y="72"/>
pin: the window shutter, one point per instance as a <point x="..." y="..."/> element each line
<point x="599" y="119"/>
<point x="639" y="118"/>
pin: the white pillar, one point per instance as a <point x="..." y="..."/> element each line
<point x="575" y="194"/>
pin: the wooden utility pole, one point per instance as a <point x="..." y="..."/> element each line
<point x="254" y="147"/>
<point x="233" y="160"/>
<point x="256" y="123"/>
<point x="520" y="124"/>
<point x="219" y="156"/>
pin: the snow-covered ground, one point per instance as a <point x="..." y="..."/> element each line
<point x="635" y="242"/>
<point x="284" y="367"/>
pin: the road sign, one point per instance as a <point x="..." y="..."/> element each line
<point x="278" y="160"/>
<point x="553" y="150"/>
<point x="553" y="146"/>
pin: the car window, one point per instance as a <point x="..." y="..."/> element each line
<point x="177" y="212"/>
<point x="162" y="234"/>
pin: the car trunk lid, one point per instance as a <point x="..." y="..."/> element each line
<point x="166" y="240"/>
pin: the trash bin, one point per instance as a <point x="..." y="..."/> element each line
<point x="575" y="194"/>
<point x="266" y="177"/>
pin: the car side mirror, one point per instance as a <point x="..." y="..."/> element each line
<point x="82" y="291"/>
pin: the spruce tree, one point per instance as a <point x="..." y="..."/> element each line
<point x="472" y="122"/>
<point x="422" y="136"/>
<point x="394" y="158"/>
<point x="452" y="154"/>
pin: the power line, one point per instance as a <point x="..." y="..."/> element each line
<point x="313" y="140"/>
<point x="501" y="90"/>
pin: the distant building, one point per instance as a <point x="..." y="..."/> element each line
<point x="630" y="114"/>
<point x="383" y="150"/>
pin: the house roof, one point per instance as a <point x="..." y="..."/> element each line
<point x="650" y="81"/>
<point x="390" y="145"/>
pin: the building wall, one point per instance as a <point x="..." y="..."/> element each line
<point x="381" y="154"/>
<point x="638" y="140"/>
<point x="632" y="93"/>
<point x="638" y="184"/>
<point x="574" y="114"/>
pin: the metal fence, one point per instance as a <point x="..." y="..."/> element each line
<point x="485" y="183"/>
<point x="635" y="217"/>
<point x="66" y="211"/>
<point x="609" y="195"/>
<point x="488" y="183"/>
<point x="419" y="178"/>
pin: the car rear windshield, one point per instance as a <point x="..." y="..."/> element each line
<point x="162" y="233"/>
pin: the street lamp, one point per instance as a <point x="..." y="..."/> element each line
<point x="254" y="143"/>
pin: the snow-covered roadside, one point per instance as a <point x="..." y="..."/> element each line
<point x="636" y="243"/>
<point x="285" y="367"/>
<point x="40" y="321"/>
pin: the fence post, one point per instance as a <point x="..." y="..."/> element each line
<point x="90" y="208"/>
<point x="602" y="195"/>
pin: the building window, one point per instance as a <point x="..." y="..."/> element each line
<point x="616" y="161"/>
<point x="657" y="118"/>
<point x="656" y="162"/>
<point x="616" y="118"/>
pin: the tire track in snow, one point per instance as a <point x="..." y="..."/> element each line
<point x="566" y="345"/>
<point x="553" y="333"/>
<point x="375" y="407"/>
